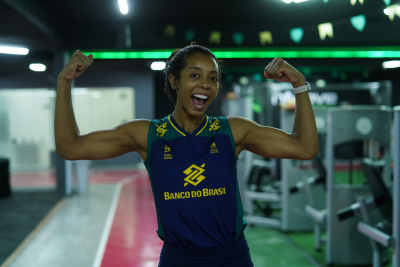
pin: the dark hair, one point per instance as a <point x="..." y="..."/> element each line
<point x="177" y="61"/>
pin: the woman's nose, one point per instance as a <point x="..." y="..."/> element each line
<point x="205" y="84"/>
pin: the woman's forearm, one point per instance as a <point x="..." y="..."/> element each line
<point x="304" y="126"/>
<point x="66" y="129"/>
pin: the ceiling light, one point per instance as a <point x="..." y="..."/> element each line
<point x="391" y="64"/>
<point x="158" y="65"/>
<point x="386" y="11"/>
<point x="37" y="67"/>
<point x="244" y="80"/>
<point x="296" y="1"/>
<point x="321" y="83"/>
<point x="14" y="50"/>
<point x="123" y="6"/>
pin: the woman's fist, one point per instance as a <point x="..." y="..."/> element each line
<point x="76" y="66"/>
<point x="282" y="71"/>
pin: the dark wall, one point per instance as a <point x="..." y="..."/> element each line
<point x="25" y="80"/>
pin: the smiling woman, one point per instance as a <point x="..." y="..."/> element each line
<point x="177" y="61"/>
<point x="191" y="158"/>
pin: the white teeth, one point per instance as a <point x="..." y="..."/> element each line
<point x="201" y="96"/>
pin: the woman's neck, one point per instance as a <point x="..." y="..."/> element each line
<point x="186" y="121"/>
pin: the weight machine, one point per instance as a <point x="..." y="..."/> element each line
<point x="344" y="245"/>
<point x="386" y="233"/>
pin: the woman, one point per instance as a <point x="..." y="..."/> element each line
<point x="190" y="157"/>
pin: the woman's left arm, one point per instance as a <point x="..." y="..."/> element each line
<point x="270" y="142"/>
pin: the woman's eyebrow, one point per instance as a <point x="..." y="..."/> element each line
<point x="197" y="68"/>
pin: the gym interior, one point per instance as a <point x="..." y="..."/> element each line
<point x="341" y="208"/>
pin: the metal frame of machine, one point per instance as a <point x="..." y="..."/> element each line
<point x="378" y="238"/>
<point x="293" y="217"/>
<point x="348" y="124"/>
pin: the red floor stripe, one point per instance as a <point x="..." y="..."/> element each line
<point x="133" y="241"/>
<point x="48" y="178"/>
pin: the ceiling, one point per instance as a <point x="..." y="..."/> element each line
<point x="90" y="24"/>
<point x="44" y="25"/>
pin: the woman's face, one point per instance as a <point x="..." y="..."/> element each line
<point x="198" y="84"/>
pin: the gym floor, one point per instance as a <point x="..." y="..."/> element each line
<point x="113" y="225"/>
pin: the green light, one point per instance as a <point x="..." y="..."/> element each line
<point x="257" y="108"/>
<point x="127" y="55"/>
<point x="284" y="52"/>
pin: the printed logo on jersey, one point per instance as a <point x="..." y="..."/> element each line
<point x="161" y="129"/>
<point x="194" y="172"/>
<point x="214" y="126"/>
<point x="206" y="192"/>
<point x="213" y="149"/>
<point x="166" y="150"/>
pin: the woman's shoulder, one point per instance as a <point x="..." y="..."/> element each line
<point x="236" y="121"/>
<point x="160" y="120"/>
<point x="240" y="126"/>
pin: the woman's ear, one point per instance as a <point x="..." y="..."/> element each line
<point x="172" y="81"/>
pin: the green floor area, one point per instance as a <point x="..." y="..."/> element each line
<point x="269" y="247"/>
<point x="306" y="241"/>
<point x="357" y="177"/>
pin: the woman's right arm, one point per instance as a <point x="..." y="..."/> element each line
<point x="105" y="144"/>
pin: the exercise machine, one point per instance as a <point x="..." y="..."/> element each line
<point x="344" y="245"/>
<point x="386" y="233"/>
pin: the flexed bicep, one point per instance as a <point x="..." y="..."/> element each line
<point x="265" y="141"/>
<point x="274" y="143"/>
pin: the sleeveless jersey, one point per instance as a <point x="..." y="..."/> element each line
<point x="194" y="182"/>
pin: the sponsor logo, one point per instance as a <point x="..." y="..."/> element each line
<point x="213" y="149"/>
<point x="214" y="126"/>
<point x="166" y="150"/>
<point x="194" y="173"/>
<point x="206" y="192"/>
<point x="161" y="129"/>
<point x="194" y="177"/>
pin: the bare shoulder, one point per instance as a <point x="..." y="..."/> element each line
<point x="137" y="130"/>
<point x="235" y="121"/>
<point x="240" y="128"/>
<point x="240" y="125"/>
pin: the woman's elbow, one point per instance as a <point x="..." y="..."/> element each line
<point x="312" y="154"/>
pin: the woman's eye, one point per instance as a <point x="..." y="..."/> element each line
<point x="194" y="75"/>
<point x="214" y="79"/>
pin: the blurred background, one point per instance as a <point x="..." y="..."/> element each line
<point x="348" y="50"/>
